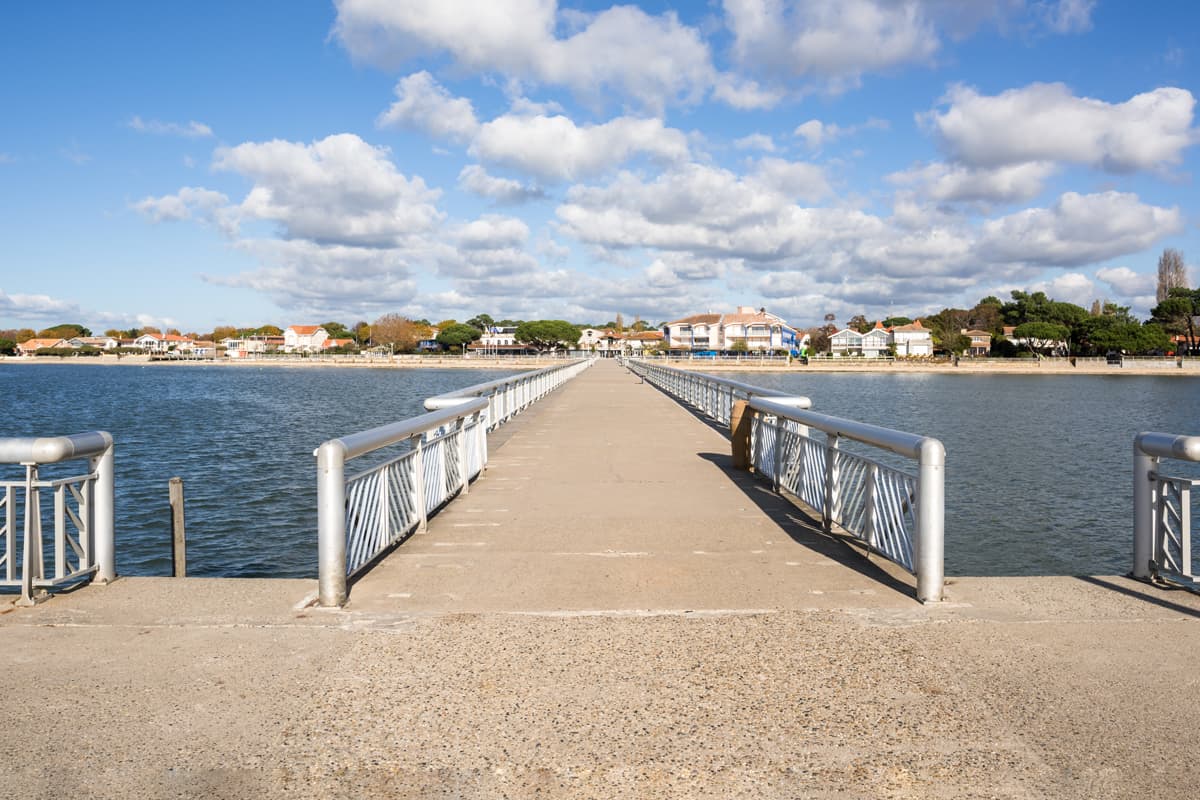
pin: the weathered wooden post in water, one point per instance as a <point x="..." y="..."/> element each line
<point x="178" y="538"/>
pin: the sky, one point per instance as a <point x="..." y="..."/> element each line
<point x="294" y="162"/>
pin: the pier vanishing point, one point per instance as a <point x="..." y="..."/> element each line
<point x="613" y="610"/>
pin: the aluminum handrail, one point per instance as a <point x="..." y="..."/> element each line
<point x="929" y="542"/>
<point x="872" y="502"/>
<point x="95" y="551"/>
<point x="360" y="517"/>
<point x="1149" y="447"/>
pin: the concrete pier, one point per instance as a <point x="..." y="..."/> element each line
<point x="612" y="611"/>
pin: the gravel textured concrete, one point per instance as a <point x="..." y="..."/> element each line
<point x="610" y="612"/>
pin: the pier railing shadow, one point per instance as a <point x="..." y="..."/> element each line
<point x="804" y="528"/>
<point x="1152" y="595"/>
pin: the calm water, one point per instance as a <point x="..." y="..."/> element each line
<point x="1037" y="479"/>
<point x="1038" y="468"/>
<point x="240" y="437"/>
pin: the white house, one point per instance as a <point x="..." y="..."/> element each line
<point x="601" y="341"/>
<point x="304" y="338"/>
<point x="162" y="342"/>
<point x="99" y="342"/>
<point x="912" y="340"/>
<point x="758" y="329"/>
<point x="846" y="342"/>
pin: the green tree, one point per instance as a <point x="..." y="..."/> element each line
<point x="739" y="346"/>
<point x="1176" y="315"/>
<point x="67" y="330"/>
<point x="892" y="322"/>
<point x="337" y="330"/>
<point x="1042" y="335"/>
<point x="548" y="334"/>
<point x="860" y="323"/>
<point x="481" y="322"/>
<point x="361" y="332"/>
<point x="8" y="346"/>
<point x="457" y="335"/>
<point x="268" y="330"/>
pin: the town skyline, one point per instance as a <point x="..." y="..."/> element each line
<point x="197" y="167"/>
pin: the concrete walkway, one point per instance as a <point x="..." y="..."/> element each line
<point x="610" y="612"/>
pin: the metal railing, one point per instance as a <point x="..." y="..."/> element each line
<point x="1162" y="507"/>
<point x="361" y="516"/>
<point x="81" y="513"/>
<point x="710" y="394"/>
<point x="891" y="511"/>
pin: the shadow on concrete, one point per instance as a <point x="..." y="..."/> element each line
<point x="802" y="527"/>
<point x="1146" y="596"/>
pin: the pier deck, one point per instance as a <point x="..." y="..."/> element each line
<point x="611" y="612"/>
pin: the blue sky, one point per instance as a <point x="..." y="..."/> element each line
<point x="203" y="164"/>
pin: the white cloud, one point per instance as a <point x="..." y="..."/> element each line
<point x="190" y="129"/>
<point x="492" y="231"/>
<point x="946" y="182"/>
<point x="35" y="306"/>
<point x="336" y="190"/>
<point x="755" y="141"/>
<point x="816" y="133"/>
<point x="1077" y="230"/>
<point x="832" y="41"/>
<point x="305" y="277"/>
<point x="188" y="202"/>
<point x="1045" y="122"/>
<point x="650" y="59"/>
<point x="1070" y="287"/>
<point x="1068" y="16"/>
<point x="555" y="148"/>
<point x="424" y="104"/>
<point x="1127" y="283"/>
<point x="474" y="178"/>
<point x="745" y="94"/>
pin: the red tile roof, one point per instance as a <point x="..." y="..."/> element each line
<point x="304" y="330"/>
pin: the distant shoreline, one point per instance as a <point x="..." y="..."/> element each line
<point x="966" y="366"/>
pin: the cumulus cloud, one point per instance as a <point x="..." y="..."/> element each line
<point x="745" y="94"/>
<point x="834" y="41"/>
<point x="474" y="178"/>
<point x="950" y="183"/>
<point x="1070" y="287"/>
<point x="35" y="306"/>
<point x="555" y="148"/>
<point x="1045" y="122"/>
<point x="755" y="141"/>
<point x="336" y="190"/>
<point x="307" y="277"/>
<point x="492" y="231"/>
<point x="1077" y="230"/>
<point x="1127" y="283"/>
<point x="425" y="105"/>
<point x="190" y="129"/>
<point x="816" y="134"/>
<point x="188" y="202"/>
<point x="649" y="59"/>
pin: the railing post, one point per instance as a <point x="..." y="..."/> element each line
<point x="931" y="521"/>
<point x="1144" y="467"/>
<point x="33" y="530"/>
<point x="869" y="523"/>
<point x="831" y="476"/>
<point x="464" y="468"/>
<point x="331" y="523"/>
<point x="419" y="482"/>
<point x="102" y="512"/>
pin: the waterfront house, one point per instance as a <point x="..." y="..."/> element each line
<point x="98" y="342"/>
<point x="31" y="346"/>
<point x="912" y="340"/>
<point x="639" y="342"/>
<point x="304" y="338"/>
<point x="981" y="342"/>
<point x="846" y="342"/>
<point x="601" y="341"/>
<point x="334" y="343"/>
<point x="759" y="330"/>
<point x="162" y="342"/>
